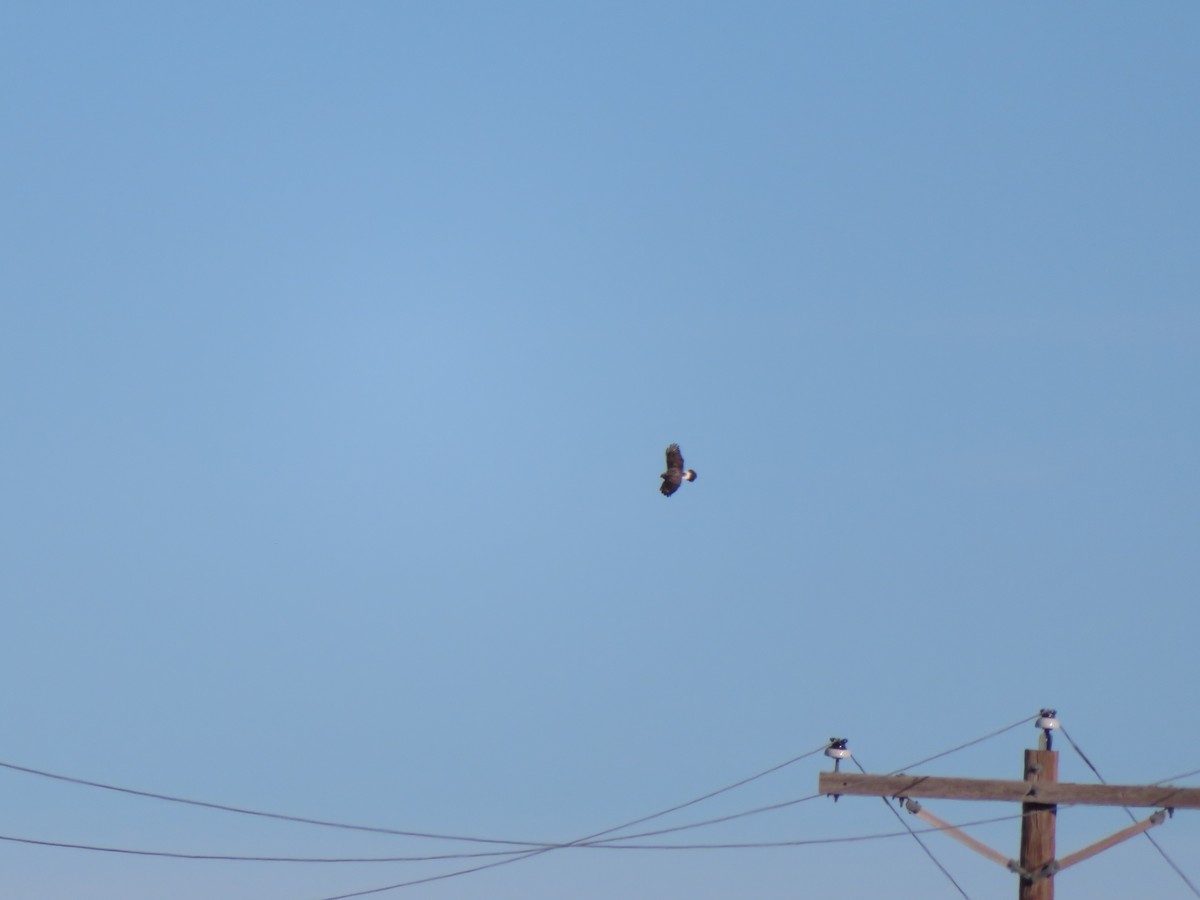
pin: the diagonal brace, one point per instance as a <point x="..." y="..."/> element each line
<point x="1100" y="846"/>
<point x="961" y="836"/>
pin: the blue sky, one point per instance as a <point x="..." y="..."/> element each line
<point x="340" y="344"/>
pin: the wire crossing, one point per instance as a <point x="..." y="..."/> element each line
<point x="1039" y="793"/>
<point x="1163" y="853"/>
<point x="579" y="842"/>
<point x="505" y="851"/>
<point x="917" y="837"/>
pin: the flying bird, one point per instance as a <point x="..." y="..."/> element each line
<point x="676" y="474"/>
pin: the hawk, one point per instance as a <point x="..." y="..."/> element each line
<point x="676" y="474"/>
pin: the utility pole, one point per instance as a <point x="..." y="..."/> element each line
<point x="1039" y="794"/>
<point x="1038" y="822"/>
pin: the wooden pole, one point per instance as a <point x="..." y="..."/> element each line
<point x="1039" y="794"/>
<point x="1037" y="828"/>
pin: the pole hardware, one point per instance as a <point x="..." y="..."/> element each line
<point x="1047" y="722"/>
<point x="1039" y="794"/>
<point x="837" y="751"/>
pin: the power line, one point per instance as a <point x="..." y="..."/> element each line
<point x="431" y="878"/>
<point x="433" y="857"/>
<point x="532" y="848"/>
<point x="809" y="797"/>
<point x="1083" y="756"/>
<point x="783" y="804"/>
<point x="977" y="740"/>
<point x="916" y="838"/>
<point x="584" y="842"/>
<point x="580" y="842"/>
<point x="804" y="842"/>
<point x="1163" y="853"/>
<point x="716" y="821"/>
<point x="1176" y="777"/>
<point x="260" y="813"/>
<point x="584" y="845"/>
<point x="786" y="803"/>
<point x="534" y="845"/>
<point x="168" y="854"/>
<point x="226" y="857"/>
<point x="727" y="788"/>
<point x="510" y="855"/>
<point x="574" y="845"/>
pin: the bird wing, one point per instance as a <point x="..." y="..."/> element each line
<point x="672" y="478"/>
<point x="674" y="458"/>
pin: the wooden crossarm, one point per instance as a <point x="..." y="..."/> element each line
<point x="1050" y="793"/>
